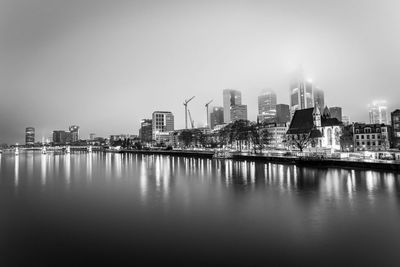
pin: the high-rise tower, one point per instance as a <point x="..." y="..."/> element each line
<point x="29" y="136"/>
<point x="301" y="92"/>
<point x="378" y="112"/>
<point x="230" y="98"/>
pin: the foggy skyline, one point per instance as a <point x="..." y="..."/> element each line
<point x="105" y="65"/>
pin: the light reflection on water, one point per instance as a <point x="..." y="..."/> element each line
<point x="272" y="206"/>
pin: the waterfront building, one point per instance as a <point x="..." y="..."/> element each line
<point x="277" y="133"/>
<point x="216" y="116"/>
<point x="267" y="104"/>
<point x="316" y="130"/>
<point x="301" y="92"/>
<point x="336" y="112"/>
<point x="395" y="118"/>
<point x="29" y="136"/>
<point x="162" y="121"/>
<point x="59" y="137"/>
<point x="378" y="113"/>
<point x="238" y="112"/>
<point x="74" y="133"/>
<point x="375" y="136"/>
<point x="230" y="98"/>
<point x="92" y="136"/>
<point x="146" y="131"/>
<point x="319" y="98"/>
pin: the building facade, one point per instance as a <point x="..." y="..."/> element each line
<point x="371" y="137"/>
<point x="59" y="137"/>
<point x="336" y="112"/>
<point x="319" y="98"/>
<point x="162" y="121"/>
<point x="267" y="104"/>
<point x="74" y="132"/>
<point x="216" y="116"/>
<point x="395" y="118"/>
<point x="282" y="113"/>
<point x="230" y="98"/>
<point x="378" y="113"/>
<point x="29" y="136"/>
<point x="238" y="112"/>
<point x="277" y="133"/>
<point x="301" y="92"/>
<point x="346" y="120"/>
<point x="146" y="131"/>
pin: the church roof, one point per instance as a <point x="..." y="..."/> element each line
<point x="302" y="121"/>
<point x="330" y="122"/>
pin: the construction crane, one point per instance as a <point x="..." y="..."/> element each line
<point x="186" y="109"/>
<point x="191" y="120"/>
<point x="208" y="125"/>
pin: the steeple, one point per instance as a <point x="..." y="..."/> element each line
<point x="316" y="116"/>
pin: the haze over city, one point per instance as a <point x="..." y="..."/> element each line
<point x="105" y="65"/>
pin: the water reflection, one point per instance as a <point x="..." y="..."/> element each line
<point x="155" y="173"/>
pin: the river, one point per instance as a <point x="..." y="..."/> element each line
<point x="146" y="210"/>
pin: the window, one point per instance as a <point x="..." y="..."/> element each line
<point x="329" y="133"/>
<point x="362" y="136"/>
<point x="357" y="137"/>
<point x="358" y="143"/>
<point x="379" y="136"/>
<point x="363" y="143"/>
<point x="367" y="136"/>
<point x="357" y="131"/>
<point x="368" y="143"/>
<point x="383" y="130"/>
<point x="373" y="143"/>
<point x="373" y="136"/>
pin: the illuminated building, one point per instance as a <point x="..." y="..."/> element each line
<point x="231" y="98"/>
<point x="29" y="136"/>
<point x="378" y="113"/>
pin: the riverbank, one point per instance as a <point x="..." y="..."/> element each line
<point x="300" y="161"/>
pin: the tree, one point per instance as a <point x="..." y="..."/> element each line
<point x="186" y="137"/>
<point x="346" y="138"/>
<point x="300" y="140"/>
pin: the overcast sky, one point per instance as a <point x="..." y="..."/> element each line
<point x="105" y="65"/>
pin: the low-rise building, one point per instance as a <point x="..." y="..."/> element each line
<point x="277" y="133"/>
<point x="395" y="118"/>
<point x="371" y="136"/>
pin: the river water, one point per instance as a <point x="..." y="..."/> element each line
<point x="120" y="209"/>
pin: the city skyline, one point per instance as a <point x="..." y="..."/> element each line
<point x="105" y="70"/>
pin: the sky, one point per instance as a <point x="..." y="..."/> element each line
<point x="105" y="65"/>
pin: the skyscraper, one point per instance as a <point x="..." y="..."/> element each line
<point x="74" y="133"/>
<point x="59" y="137"/>
<point x="336" y="112"/>
<point x="238" y="112"/>
<point x="266" y="102"/>
<point x="230" y="98"/>
<point x="29" y="136"/>
<point x="146" y="130"/>
<point x="301" y="92"/>
<point x="216" y="116"/>
<point x="162" y="122"/>
<point x="319" y="98"/>
<point x="378" y="112"/>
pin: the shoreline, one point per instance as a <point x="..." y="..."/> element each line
<point x="293" y="160"/>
